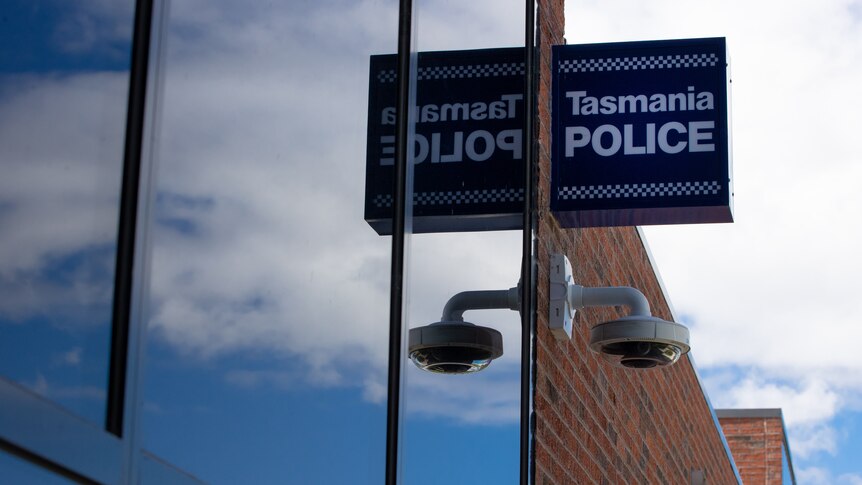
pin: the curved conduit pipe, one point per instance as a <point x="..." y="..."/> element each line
<point x="454" y="309"/>
<point x="581" y="297"/>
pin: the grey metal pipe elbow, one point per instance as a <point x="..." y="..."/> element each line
<point x="581" y="297"/>
<point x="480" y="300"/>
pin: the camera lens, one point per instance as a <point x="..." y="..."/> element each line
<point x="451" y="360"/>
<point x="643" y="355"/>
<point x="454" y="347"/>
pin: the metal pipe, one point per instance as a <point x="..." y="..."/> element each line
<point x="581" y="297"/>
<point x="480" y="300"/>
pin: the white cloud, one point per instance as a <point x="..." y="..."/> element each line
<point x="72" y="357"/>
<point x="813" y="476"/>
<point x="95" y="27"/>
<point x="808" y="408"/>
<point x="803" y="404"/>
<point x="850" y="478"/>
<point x="59" y="188"/>
<point x="374" y="389"/>
<point x="822" y="476"/>
<point x="488" y="398"/>
<point x="66" y="394"/>
<point x="58" y="194"/>
<point x="40" y="385"/>
<point x="808" y="440"/>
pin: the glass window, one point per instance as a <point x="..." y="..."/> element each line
<point x="63" y="95"/>
<point x="267" y="343"/>
<point x="267" y="332"/>
<point x="16" y="470"/>
<point x="465" y="428"/>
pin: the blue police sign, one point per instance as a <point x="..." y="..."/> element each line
<point x="468" y="151"/>
<point x="641" y="133"/>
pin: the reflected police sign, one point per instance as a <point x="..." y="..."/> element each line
<point x="641" y="133"/>
<point x="468" y="151"/>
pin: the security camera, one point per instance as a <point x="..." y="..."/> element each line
<point x="638" y="341"/>
<point x="453" y="346"/>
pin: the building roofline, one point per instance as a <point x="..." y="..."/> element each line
<point x="694" y="368"/>
<point x="749" y="413"/>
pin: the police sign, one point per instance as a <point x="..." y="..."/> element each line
<point x="468" y="148"/>
<point x="641" y="133"/>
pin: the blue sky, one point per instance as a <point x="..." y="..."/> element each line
<point x="62" y="81"/>
<point x="268" y="319"/>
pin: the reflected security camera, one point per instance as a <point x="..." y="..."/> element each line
<point x="453" y="346"/>
<point x="638" y="341"/>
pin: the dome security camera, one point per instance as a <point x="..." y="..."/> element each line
<point x="453" y="346"/>
<point x="638" y="341"/>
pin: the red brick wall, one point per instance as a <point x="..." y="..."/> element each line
<point x="595" y="423"/>
<point x="756" y="444"/>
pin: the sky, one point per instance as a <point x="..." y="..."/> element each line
<point x="63" y="84"/>
<point x="266" y="354"/>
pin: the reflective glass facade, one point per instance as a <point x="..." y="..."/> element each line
<point x="439" y="408"/>
<point x="64" y="80"/>
<point x="189" y="291"/>
<point x="269" y="290"/>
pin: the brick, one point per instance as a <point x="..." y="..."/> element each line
<point x="756" y="444"/>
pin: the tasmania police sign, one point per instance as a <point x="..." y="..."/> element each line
<point x="641" y="133"/>
<point x="468" y="149"/>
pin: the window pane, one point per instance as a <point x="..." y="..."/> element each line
<point x="63" y="85"/>
<point x="465" y="428"/>
<point x="267" y="344"/>
<point x="16" y="470"/>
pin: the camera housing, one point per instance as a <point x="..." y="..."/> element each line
<point x="640" y="342"/>
<point x="453" y="347"/>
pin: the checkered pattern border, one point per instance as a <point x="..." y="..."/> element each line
<point x="635" y="63"/>
<point x="670" y="189"/>
<point x="457" y="197"/>
<point x="459" y="72"/>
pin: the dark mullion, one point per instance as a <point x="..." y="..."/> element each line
<point x="396" y="281"/>
<point x="527" y="263"/>
<point x="123" y="272"/>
